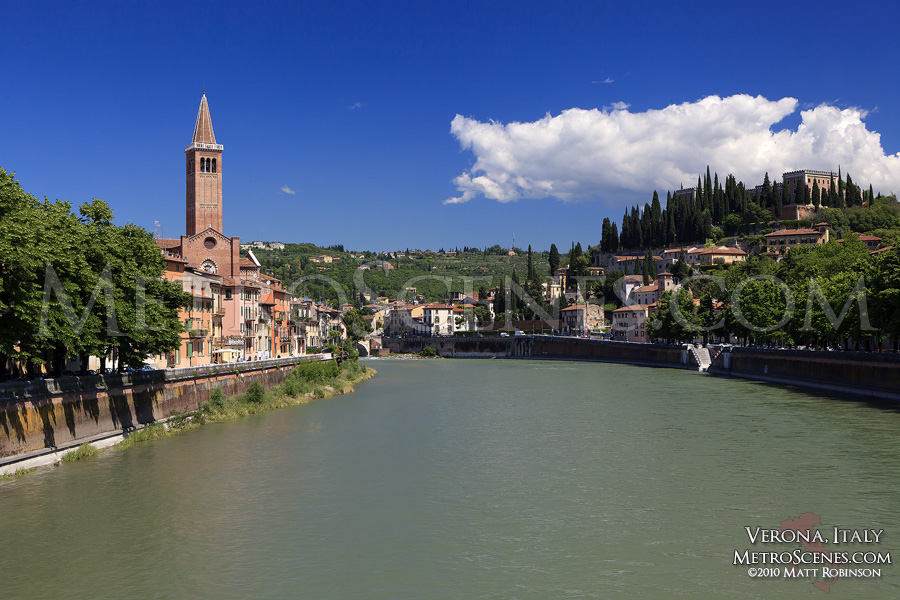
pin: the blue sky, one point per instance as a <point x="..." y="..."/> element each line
<point x="350" y="105"/>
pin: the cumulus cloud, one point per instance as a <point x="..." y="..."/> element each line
<point x="618" y="156"/>
<point x="286" y="190"/>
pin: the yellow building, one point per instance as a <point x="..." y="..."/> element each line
<point x="782" y="241"/>
<point x="629" y="323"/>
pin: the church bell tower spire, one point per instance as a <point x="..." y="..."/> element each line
<point x="204" y="176"/>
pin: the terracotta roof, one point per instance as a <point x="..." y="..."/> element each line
<point x="865" y="238"/>
<point x="574" y="307"/>
<point x="880" y="250"/>
<point x="632" y="308"/>
<point x="246" y="263"/>
<point x="167" y="242"/>
<point x="438" y="306"/>
<point x="653" y="287"/>
<point x="634" y="278"/>
<point x="785" y="232"/>
<point x="732" y="251"/>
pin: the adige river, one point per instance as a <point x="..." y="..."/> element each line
<point x="482" y="479"/>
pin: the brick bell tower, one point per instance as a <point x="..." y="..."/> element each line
<point x="204" y="176"/>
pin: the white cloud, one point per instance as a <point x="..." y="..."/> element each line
<point x="355" y="105"/>
<point x="286" y="190"/>
<point x="620" y="156"/>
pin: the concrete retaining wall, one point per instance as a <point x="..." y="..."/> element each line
<point x="37" y="415"/>
<point x="863" y="374"/>
<point x="608" y="351"/>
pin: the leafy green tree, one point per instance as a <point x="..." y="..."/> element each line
<point x="883" y="276"/>
<point x="108" y="297"/>
<point x="357" y="327"/>
<point x="678" y="324"/>
<point x="612" y="286"/>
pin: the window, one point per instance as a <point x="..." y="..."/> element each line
<point x="213" y="165"/>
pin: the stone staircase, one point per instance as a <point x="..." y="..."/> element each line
<point x="702" y="355"/>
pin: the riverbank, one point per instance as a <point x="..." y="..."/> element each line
<point x="865" y="375"/>
<point x="306" y="382"/>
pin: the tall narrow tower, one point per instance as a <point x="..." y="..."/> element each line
<point x="204" y="176"/>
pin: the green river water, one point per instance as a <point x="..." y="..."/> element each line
<point x="474" y="479"/>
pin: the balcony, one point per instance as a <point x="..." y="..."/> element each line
<point x="198" y="333"/>
<point x="204" y="146"/>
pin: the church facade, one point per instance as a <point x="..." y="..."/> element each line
<point x="236" y="312"/>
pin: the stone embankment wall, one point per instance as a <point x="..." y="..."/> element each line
<point x="540" y="346"/>
<point x="651" y="355"/>
<point x="450" y="347"/>
<point x="35" y="415"/>
<point x="875" y="375"/>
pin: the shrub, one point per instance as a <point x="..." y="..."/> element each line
<point x="428" y="352"/>
<point x="83" y="451"/>
<point x="255" y="392"/>
<point x="217" y="398"/>
<point x="315" y="372"/>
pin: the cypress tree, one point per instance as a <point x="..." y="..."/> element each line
<point x="651" y="265"/>
<point x="778" y="201"/>
<point x="816" y="195"/>
<point x="656" y="221"/>
<point x="530" y="276"/>
<point x="707" y="190"/>
<point x="614" y="238"/>
<point x="766" y="199"/>
<point x="604" y="236"/>
<point x="646" y="226"/>
<point x="670" y="230"/>
<point x="636" y="230"/>
<point x="554" y="257"/>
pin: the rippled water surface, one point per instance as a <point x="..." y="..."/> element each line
<point x="467" y="479"/>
